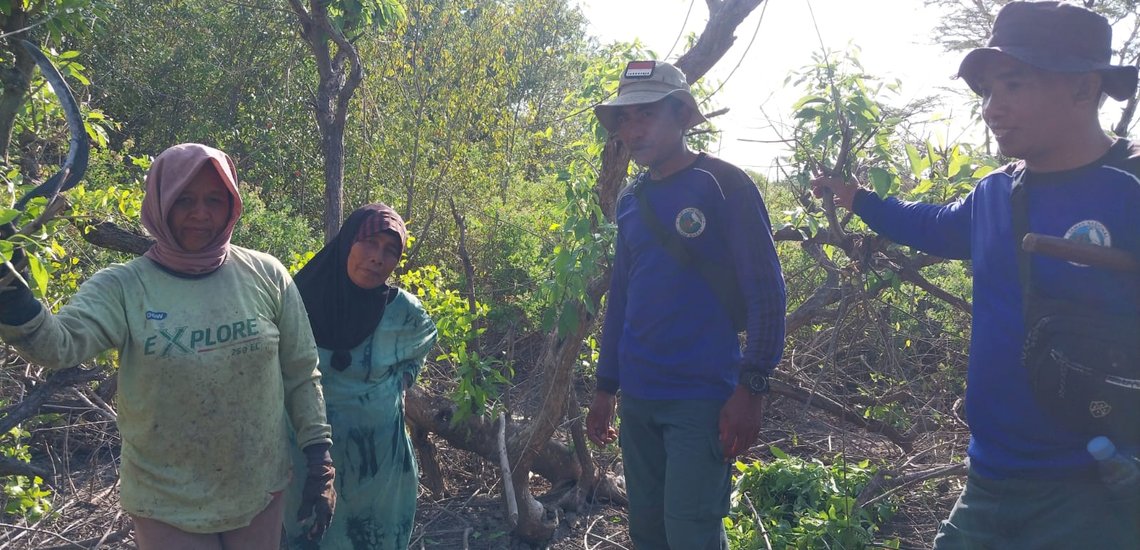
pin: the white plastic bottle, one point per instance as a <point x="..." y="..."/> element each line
<point x="1119" y="471"/>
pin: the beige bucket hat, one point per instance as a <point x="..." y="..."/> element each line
<point x="648" y="82"/>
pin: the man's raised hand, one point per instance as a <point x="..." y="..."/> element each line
<point x="844" y="190"/>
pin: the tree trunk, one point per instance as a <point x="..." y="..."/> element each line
<point x="340" y="72"/>
<point x="432" y="477"/>
<point x="554" y="461"/>
<point x="14" y="78"/>
<point x="332" y="147"/>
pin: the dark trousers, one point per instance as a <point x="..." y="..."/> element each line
<point x="1014" y="514"/>
<point x="676" y="478"/>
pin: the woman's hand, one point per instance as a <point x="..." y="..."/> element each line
<point x="318" y="498"/>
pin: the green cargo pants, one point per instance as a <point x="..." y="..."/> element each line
<point x="676" y="479"/>
<point x="1013" y="514"/>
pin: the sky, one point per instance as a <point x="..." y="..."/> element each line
<point x="895" y="38"/>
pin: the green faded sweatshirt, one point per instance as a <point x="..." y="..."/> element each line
<point x="208" y="369"/>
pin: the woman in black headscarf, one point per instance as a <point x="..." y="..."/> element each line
<point x="372" y="339"/>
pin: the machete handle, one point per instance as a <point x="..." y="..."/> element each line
<point x="1079" y="252"/>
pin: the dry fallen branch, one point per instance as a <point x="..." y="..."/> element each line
<point x="13" y="467"/>
<point x="505" y="468"/>
<point x="107" y="538"/>
<point x="828" y="404"/>
<point x="25" y="409"/>
<point x="886" y="483"/>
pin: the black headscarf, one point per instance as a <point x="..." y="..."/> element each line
<point x="342" y="314"/>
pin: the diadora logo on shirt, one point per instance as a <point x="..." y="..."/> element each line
<point x="690" y="222"/>
<point x="239" y="335"/>
<point x="1091" y="232"/>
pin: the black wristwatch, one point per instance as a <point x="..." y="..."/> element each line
<point x="755" y="381"/>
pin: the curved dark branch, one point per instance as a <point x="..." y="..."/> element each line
<point x="112" y="237"/>
<point x="75" y="165"/>
<point x="13" y="467"/>
<point x="30" y="405"/>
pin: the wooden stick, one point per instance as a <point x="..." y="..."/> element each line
<point x="505" y="465"/>
<point x="1080" y="252"/>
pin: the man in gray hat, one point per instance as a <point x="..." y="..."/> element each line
<point x="694" y="265"/>
<point x="1032" y="483"/>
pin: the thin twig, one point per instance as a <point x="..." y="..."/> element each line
<point x="759" y="521"/>
<point x="41" y="531"/>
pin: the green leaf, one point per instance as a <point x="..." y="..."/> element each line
<point x="8" y="214"/>
<point x="776" y="452"/>
<point x="981" y="172"/>
<point x="39" y="274"/>
<point x="813" y="225"/>
<point x="808" y="112"/>
<point x="809" y="100"/>
<point x="917" y="164"/>
<point x="957" y="161"/>
<point x="880" y="180"/>
<point x="568" y="320"/>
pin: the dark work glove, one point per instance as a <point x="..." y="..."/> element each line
<point x="17" y="304"/>
<point x="318" y="498"/>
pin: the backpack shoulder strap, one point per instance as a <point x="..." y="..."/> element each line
<point x="668" y="241"/>
<point x="722" y="279"/>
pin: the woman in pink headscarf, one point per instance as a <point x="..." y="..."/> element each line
<point x="216" y="361"/>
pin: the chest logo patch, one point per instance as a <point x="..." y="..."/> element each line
<point x="1089" y="232"/>
<point x="690" y="222"/>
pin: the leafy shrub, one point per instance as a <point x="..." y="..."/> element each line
<point x="804" y="504"/>
<point x="479" y="379"/>
<point x="23" y="496"/>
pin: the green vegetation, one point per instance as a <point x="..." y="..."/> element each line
<point x="804" y="504"/>
<point x="474" y="121"/>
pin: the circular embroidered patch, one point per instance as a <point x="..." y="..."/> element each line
<point x="690" y="222"/>
<point x="1090" y="232"/>
<point x="1099" y="409"/>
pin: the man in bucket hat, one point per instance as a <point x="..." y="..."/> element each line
<point x="694" y="264"/>
<point x="1042" y="79"/>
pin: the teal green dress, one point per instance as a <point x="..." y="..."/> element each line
<point x="376" y="474"/>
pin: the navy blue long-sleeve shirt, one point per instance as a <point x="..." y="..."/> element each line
<point x="1011" y="435"/>
<point x="667" y="335"/>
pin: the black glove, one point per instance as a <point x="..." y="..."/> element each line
<point x="318" y="498"/>
<point x="17" y="304"/>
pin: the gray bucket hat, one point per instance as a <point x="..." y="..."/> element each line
<point x="1054" y="36"/>
<point x="648" y="82"/>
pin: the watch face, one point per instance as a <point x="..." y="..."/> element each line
<point x="757" y="382"/>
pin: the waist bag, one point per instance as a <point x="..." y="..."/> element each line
<point x="1083" y="363"/>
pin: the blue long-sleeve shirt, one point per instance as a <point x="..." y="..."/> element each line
<point x="667" y="335"/>
<point x="1011" y="435"/>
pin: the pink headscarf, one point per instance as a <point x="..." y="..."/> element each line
<point x="168" y="175"/>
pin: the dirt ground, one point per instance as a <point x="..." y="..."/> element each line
<point x="471" y="513"/>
